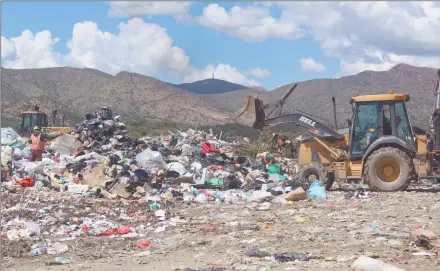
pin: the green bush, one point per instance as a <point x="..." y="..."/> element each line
<point x="262" y="144"/>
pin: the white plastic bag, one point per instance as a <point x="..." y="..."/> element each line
<point x="78" y="188"/>
<point x="65" y="144"/>
<point x="9" y="136"/>
<point x="33" y="227"/>
<point x="150" y="160"/>
<point x="201" y="198"/>
<point x="89" y="156"/>
<point x="364" y="263"/>
<point x="196" y="166"/>
<point x="34" y="167"/>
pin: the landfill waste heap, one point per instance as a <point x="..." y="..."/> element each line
<point x="99" y="186"/>
<point x="99" y="159"/>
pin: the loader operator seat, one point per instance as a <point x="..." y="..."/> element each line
<point x="387" y="130"/>
<point x="365" y="135"/>
<point x="366" y="126"/>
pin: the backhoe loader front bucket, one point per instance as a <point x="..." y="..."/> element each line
<point x="251" y="114"/>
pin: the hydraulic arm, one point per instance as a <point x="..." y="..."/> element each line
<point x="253" y="114"/>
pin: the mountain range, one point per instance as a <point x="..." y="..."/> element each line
<point x="75" y="92"/>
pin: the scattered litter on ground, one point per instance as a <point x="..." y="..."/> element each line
<point x="99" y="196"/>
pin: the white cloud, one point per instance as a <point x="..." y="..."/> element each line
<point x="376" y="34"/>
<point x="350" y="31"/>
<point x="385" y="62"/>
<point x="250" y="23"/>
<point x="310" y="65"/>
<point x="259" y="72"/>
<point x="8" y="49"/>
<point x="29" y="50"/>
<point x="223" y="72"/>
<point x="139" y="47"/>
<point x="180" y="9"/>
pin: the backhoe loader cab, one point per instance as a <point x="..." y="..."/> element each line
<point x="29" y="120"/>
<point x="381" y="118"/>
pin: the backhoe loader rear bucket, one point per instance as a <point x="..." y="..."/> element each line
<point x="251" y="114"/>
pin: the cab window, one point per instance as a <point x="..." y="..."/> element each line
<point x="386" y="129"/>
<point x="34" y="120"/>
<point x="365" y="127"/>
<point x="402" y="124"/>
<point x="26" y="121"/>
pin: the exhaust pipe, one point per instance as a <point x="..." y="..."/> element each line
<point x="334" y="113"/>
<point x="436" y="116"/>
<point x="437" y="97"/>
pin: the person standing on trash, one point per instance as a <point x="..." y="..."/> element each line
<point x="38" y="140"/>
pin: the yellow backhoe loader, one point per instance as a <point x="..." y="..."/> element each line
<point x="380" y="146"/>
<point x="35" y="117"/>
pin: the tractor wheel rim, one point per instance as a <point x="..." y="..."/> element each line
<point x="311" y="179"/>
<point x="388" y="170"/>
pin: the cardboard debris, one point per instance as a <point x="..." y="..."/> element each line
<point x="251" y="176"/>
<point x="119" y="190"/>
<point x="95" y="177"/>
<point x="296" y="195"/>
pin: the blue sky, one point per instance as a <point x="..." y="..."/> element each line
<point x="338" y="51"/>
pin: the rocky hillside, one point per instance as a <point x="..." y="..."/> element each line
<point x="80" y="91"/>
<point x="314" y="97"/>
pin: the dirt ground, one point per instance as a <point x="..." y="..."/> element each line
<point x="336" y="231"/>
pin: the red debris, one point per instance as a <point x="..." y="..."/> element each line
<point x="143" y="244"/>
<point x="208" y="228"/>
<point x="108" y="233"/>
<point x="123" y="230"/>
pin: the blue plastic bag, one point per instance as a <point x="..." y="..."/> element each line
<point x="317" y="191"/>
<point x="19" y="144"/>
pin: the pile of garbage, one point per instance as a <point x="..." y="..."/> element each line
<point x="99" y="159"/>
<point x="68" y="192"/>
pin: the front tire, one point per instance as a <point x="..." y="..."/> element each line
<point x="388" y="170"/>
<point x="307" y="171"/>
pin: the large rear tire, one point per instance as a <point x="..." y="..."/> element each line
<point x="388" y="170"/>
<point x="306" y="172"/>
